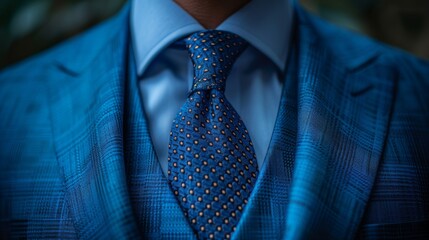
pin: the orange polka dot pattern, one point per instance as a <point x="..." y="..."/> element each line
<point x="212" y="165"/>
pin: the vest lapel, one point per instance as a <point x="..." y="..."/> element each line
<point x="87" y="118"/>
<point x="265" y="213"/>
<point x="344" y="104"/>
<point x="157" y="211"/>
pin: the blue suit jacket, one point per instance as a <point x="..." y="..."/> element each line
<point x="349" y="157"/>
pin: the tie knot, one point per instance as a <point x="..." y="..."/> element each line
<point x="213" y="53"/>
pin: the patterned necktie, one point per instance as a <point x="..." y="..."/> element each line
<point x="212" y="165"/>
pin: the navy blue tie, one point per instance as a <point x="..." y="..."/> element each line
<point x="212" y="165"/>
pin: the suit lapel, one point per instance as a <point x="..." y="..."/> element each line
<point x="87" y="118"/>
<point x="344" y="104"/>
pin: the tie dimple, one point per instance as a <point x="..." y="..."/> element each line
<point x="212" y="166"/>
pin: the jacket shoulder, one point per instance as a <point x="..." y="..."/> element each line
<point x="345" y="41"/>
<point x="350" y="46"/>
<point x="70" y="56"/>
<point x="408" y="73"/>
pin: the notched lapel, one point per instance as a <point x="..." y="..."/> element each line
<point x="340" y="136"/>
<point x="359" y="84"/>
<point x="87" y="118"/>
<point x="361" y="91"/>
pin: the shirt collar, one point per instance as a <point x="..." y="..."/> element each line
<point x="157" y="24"/>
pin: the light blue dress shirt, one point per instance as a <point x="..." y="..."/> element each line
<point x="253" y="87"/>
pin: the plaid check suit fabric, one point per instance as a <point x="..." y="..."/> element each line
<point x="348" y="156"/>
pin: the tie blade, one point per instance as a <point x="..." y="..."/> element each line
<point x="212" y="165"/>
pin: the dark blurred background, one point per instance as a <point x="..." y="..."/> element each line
<point x="30" y="26"/>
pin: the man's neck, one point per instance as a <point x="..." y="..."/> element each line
<point x="211" y="13"/>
